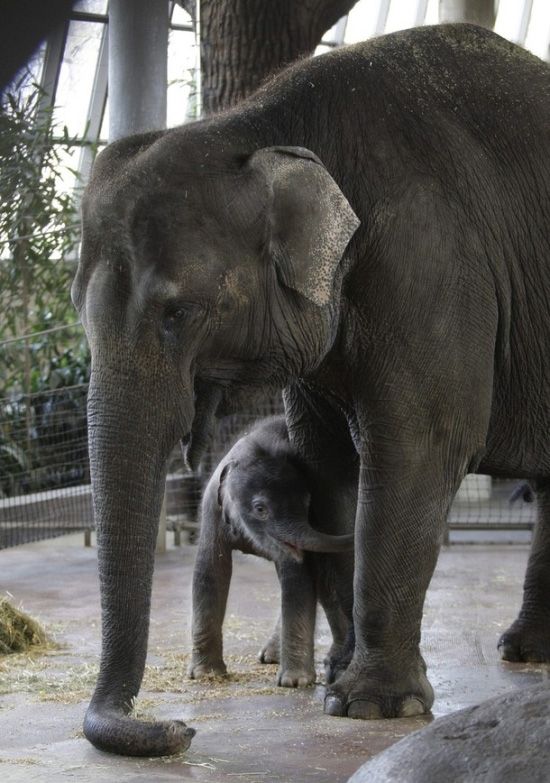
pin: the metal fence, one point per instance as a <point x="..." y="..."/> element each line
<point x="52" y="496"/>
<point x="44" y="473"/>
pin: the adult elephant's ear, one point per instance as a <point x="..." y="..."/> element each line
<point x="310" y="221"/>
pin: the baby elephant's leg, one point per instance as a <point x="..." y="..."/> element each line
<point x="271" y="651"/>
<point x="298" y="607"/>
<point x="211" y="579"/>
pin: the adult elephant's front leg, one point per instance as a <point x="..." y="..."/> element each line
<point x="402" y="506"/>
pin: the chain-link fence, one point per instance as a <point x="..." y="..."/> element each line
<point x="45" y="483"/>
<point x="44" y="473"/>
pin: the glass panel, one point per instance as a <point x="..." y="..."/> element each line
<point x="334" y="34"/>
<point x="322" y="48"/>
<point x="432" y="12"/>
<point x="362" y="20"/>
<point x="364" y="16"/>
<point x="68" y="165"/>
<point x="179" y="16"/>
<point x="92" y="6"/>
<point x="402" y="14"/>
<point x="77" y="75"/>
<point x="182" y="61"/>
<point x="509" y="19"/>
<point x="104" y="132"/>
<point x="538" y="33"/>
<point x="29" y="75"/>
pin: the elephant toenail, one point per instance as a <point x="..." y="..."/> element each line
<point x="365" y="710"/>
<point x="333" y="706"/>
<point x="411" y="707"/>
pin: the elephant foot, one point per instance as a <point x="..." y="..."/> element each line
<point x="526" y="641"/>
<point x="115" y="732"/>
<point x="295" y="677"/>
<point x="367" y="694"/>
<point x="335" y="666"/>
<point x="204" y="669"/>
<point x="270" y="652"/>
<point x="339" y="658"/>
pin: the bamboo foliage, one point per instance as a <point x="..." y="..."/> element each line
<point x="42" y="349"/>
<point x="39" y="231"/>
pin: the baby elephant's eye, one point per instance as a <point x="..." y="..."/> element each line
<point x="260" y="510"/>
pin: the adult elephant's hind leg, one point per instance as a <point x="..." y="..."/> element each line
<point x="528" y="638"/>
<point x="403" y="502"/>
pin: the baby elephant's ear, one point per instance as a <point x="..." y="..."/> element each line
<point x="310" y="221"/>
<point x="223" y="476"/>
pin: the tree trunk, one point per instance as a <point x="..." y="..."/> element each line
<point x="243" y="42"/>
<point x="480" y="12"/>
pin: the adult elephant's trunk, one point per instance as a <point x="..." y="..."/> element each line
<point x="207" y="399"/>
<point x="129" y="443"/>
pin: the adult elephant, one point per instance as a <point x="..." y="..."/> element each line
<point x="217" y="257"/>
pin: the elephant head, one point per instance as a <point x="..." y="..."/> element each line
<point x="267" y="500"/>
<point x="203" y="268"/>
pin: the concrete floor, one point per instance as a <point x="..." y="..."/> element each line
<point x="247" y="729"/>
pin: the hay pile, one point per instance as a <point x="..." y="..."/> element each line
<point x="18" y="631"/>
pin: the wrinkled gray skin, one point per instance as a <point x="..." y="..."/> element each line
<point x="369" y="230"/>
<point x="258" y="501"/>
<point x="501" y="740"/>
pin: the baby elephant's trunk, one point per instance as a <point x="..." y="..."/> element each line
<point x="322" y="542"/>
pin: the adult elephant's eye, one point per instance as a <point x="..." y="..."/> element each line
<point x="260" y="510"/>
<point x="177" y="313"/>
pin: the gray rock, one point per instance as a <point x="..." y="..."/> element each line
<point x="502" y="740"/>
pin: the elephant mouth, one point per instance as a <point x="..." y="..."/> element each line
<point x="196" y="441"/>
<point x="280" y="549"/>
<point x="292" y="550"/>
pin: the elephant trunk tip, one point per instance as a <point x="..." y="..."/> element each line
<point x="115" y="732"/>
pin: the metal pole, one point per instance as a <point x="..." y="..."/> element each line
<point x="198" y="70"/>
<point x="138" y="56"/>
<point x="96" y="108"/>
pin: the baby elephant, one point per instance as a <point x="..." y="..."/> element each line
<point x="258" y="502"/>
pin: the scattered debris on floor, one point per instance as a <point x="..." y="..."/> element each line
<point x="248" y="729"/>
